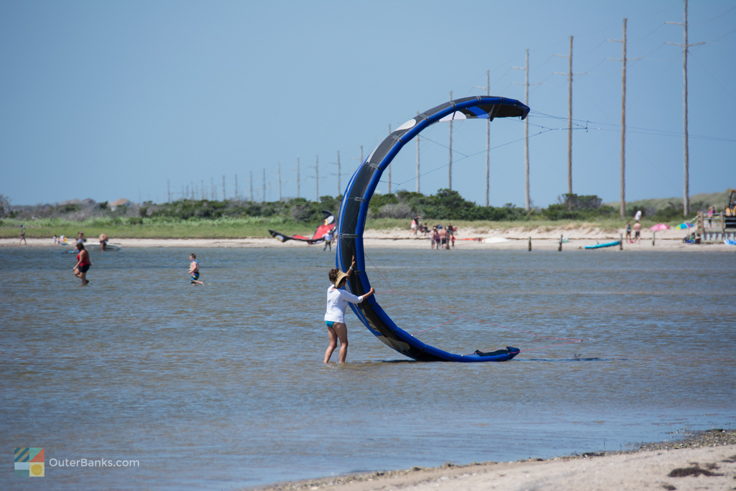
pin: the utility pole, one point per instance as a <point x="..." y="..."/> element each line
<point x="316" y="176"/>
<point x="569" y="121"/>
<point x="236" y="187"/>
<point x="298" y="178"/>
<point x="569" y="75"/>
<point x="527" y="198"/>
<point x="280" y="197"/>
<point x="624" y="59"/>
<point x="418" y="174"/>
<point x="686" y="150"/>
<point x="488" y="144"/>
<point x="339" y="181"/>
<point x="449" y="165"/>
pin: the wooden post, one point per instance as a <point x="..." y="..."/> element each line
<point x="620" y="242"/>
<point x="559" y="246"/>
<point x="654" y="237"/>
<point x="723" y="225"/>
<point x="530" y="243"/>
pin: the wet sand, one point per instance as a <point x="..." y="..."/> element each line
<point x="706" y="461"/>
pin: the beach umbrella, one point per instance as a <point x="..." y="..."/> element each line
<point x="658" y="227"/>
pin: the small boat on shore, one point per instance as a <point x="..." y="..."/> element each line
<point x="606" y="244"/>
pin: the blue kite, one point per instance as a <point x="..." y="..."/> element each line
<point x="354" y="212"/>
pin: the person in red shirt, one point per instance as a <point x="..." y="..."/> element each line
<point x="83" y="263"/>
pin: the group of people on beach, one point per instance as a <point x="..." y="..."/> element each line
<point x="440" y="237"/>
<point x="443" y="237"/>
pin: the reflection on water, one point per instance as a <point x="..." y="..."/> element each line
<point x="221" y="386"/>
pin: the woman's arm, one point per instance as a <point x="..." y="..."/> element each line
<point x="349" y="297"/>
<point x="371" y="292"/>
<point x="351" y="268"/>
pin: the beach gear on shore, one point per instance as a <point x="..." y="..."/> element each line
<point x="354" y="213"/>
<point x="606" y="244"/>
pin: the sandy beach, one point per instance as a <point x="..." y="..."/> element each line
<point x="706" y="461"/>
<point x="467" y="239"/>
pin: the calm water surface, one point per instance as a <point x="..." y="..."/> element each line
<point x="222" y="386"/>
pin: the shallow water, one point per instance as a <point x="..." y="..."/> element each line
<point x="222" y="386"/>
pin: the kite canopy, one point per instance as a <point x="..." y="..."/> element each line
<point x="354" y="212"/>
<point x="327" y="225"/>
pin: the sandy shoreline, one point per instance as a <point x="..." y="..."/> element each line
<point x="467" y="239"/>
<point x="705" y="461"/>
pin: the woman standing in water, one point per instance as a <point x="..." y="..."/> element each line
<point x="83" y="263"/>
<point x="337" y="301"/>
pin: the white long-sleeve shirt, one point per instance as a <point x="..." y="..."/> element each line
<point x="337" y="302"/>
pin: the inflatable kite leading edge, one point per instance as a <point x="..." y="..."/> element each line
<point x="354" y="212"/>
<point x="327" y="225"/>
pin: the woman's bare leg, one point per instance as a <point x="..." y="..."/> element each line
<point x="342" y="334"/>
<point x="332" y="344"/>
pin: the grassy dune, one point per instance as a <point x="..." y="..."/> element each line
<point x="255" y="227"/>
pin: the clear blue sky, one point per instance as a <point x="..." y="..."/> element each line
<point x="110" y="99"/>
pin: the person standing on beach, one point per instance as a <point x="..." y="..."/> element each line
<point x="194" y="270"/>
<point x="637" y="231"/>
<point x="628" y="232"/>
<point x="337" y="301"/>
<point x="23" y="235"/>
<point x="328" y="240"/>
<point x="83" y="264"/>
<point x="443" y="237"/>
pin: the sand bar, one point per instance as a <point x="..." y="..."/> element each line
<point x="706" y="461"/>
<point x="545" y="238"/>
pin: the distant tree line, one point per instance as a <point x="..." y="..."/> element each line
<point x="446" y="204"/>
